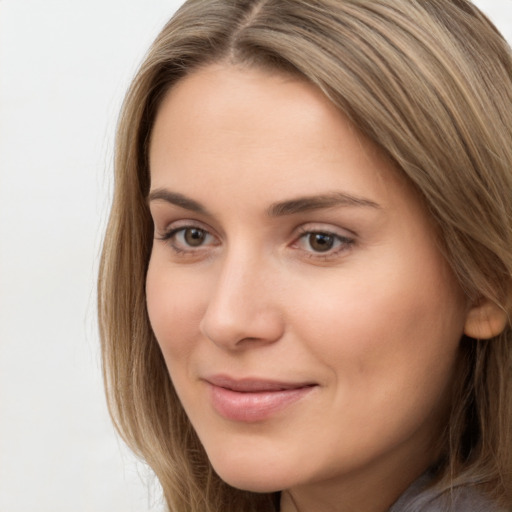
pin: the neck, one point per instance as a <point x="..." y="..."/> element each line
<point x="369" y="489"/>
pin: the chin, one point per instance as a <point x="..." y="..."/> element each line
<point x="257" y="481"/>
<point x="255" y="476"/>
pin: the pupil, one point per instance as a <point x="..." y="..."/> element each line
<point x="321" y="242"/>
<point x="194" y="237"/>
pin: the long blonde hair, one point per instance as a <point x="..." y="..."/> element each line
<point x="430" y="82"/>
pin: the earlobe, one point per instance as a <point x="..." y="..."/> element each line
<point x="485" y="320"/>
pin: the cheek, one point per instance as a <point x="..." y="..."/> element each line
<point x="384" y="327"/>
<point x="174" y="305"/>
<point x="389" y="351"/>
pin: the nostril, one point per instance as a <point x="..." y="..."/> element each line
<point x="239" y="332"/>
<point x="242" y="310"/>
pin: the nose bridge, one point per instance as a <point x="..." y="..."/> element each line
<point x="242" y="305"/>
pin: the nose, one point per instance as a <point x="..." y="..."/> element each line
<point x="244" y="308"/>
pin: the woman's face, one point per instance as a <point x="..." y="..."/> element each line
<point x="308" y="320"/>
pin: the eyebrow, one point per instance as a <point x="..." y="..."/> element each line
<point x="162" y="194"/>
<point x="279" y="209"/>
<point x="318" y="202"/>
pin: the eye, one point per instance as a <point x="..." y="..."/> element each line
<point x="323" y="242"/>
<point x="188" y="238"/>
<point x="320" y="242"/>
<point x="194" y="237"/>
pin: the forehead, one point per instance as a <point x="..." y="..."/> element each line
<point x="226" y="129"/>
<point x="223" y="102"/>
<point x="241" y="100"/>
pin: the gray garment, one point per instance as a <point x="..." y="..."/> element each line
<point x="460" y="499"/>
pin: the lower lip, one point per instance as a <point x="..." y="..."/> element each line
<point x="252" y="407"/>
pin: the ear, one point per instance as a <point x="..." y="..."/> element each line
<point x="485" y="320"/>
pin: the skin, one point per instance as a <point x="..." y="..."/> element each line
<point x="374" y="321"/>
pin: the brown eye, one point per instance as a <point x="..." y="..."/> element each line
<point x="189" y="239"/>
<point x="321" y="242"/>
<point x="194" y="237"/>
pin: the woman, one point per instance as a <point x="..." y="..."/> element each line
<point x="305" y="288"/>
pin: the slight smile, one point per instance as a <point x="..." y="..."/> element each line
<point x="253" y="400"/>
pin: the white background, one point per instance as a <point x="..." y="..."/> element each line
<point x="64" y="66"/>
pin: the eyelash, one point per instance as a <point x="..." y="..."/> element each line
<point x="343" y="243"/>
<point x="170" y="238"/>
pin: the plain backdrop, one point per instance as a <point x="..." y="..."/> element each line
<point x="64" y="67"/>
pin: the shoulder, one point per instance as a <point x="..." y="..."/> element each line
<point x="419" y="498"/>
<point x="461" y="499"/>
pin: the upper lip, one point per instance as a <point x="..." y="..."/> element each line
<point x="247" y="385"/>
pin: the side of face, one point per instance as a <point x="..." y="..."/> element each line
<point x="308" y="321"/>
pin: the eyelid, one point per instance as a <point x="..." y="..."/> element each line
<point x="176" y="225"/>
<point x="326" y="227"/>
<point x="345" y="238"/>
<point x="168" y="236"/>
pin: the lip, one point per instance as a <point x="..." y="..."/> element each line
<point x="253" y="400"/>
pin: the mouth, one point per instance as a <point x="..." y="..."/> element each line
<point x="254" y="400"/>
